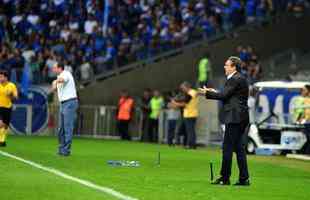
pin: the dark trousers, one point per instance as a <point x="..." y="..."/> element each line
<point x="235" y="140"/>
<point x="144" y="131"/>
<point x="181" y="132"/>
<point x="153" y="130"/>
<point x="123" y="126"/>
<point x="171" y="130"/>
<point x="190" y="131"/>
<point x="306" y="148"/>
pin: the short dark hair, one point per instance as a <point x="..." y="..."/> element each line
<point x="4" y="73"/>
<point x="186" y="84"/>
<point x="307" y="87"/>
<point x="236" y="61"/>
<point x="61" y="65"/>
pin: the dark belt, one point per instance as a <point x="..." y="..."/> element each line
<point x="68" y="100"/>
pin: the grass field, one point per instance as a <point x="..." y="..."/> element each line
<point x="182" y="175"/>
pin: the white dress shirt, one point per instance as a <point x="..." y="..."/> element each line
<point x="66" y="90"/>
<point x="230" y="75"/>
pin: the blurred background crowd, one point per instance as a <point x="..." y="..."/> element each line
<point x="92" y="36"/>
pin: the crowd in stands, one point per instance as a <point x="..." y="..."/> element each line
<point x="92" y="36"/>
<point x="250" y="66"/>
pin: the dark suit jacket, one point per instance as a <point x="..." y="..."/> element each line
<point x="234" y="97"/>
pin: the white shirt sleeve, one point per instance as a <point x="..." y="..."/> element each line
<point x="65" y="76"/>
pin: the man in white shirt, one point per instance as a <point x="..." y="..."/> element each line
<point x="67" y="95"/>
<point x="58" y="2"/>
<point x="33" y="19"/>
<point x="28" y="54"/>
<point x="16" y="19"/>
<point x="85" y="70"/>
<point x="89" y="25"/>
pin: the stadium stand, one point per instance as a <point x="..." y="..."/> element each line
<point x="292" y="64"/>
<point x="93" y="37"/>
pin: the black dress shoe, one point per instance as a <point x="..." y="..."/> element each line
<point x="243" y="183"/>
<point x="221" y="181"/>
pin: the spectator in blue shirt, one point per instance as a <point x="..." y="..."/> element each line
<point x="261" y="11"/>
<point x="226" y="17"/>
<point x="110" y="55"/>
<point x="250" y="11"/>
<point x="236" y="15"/>
<point x="207" y="27"/>
<point x="100" y="42"/>
<point x="2" y="33"/>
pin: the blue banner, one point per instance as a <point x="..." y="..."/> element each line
<point x="26" y="81"/>
<point x="106" y="13"/>
<point x="279" y="101"/>
<point x="35" y="103"/>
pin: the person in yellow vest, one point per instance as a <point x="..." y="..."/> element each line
<point x="204" y="71"/>
<point x="190" y="112"/>
<point x="124" y="114"/>
<point x="298" y="103"/>
<point x="307" y="105"/>
<point x="156" y="105"/>
<point x="8" y="92"/>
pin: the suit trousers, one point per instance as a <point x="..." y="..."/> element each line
<point x="235" y="141"/>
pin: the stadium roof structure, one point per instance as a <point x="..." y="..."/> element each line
<point x="281" y="84"/>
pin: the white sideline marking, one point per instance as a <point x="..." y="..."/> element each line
<point x="300" y="157"/>
<point x="71" y="178"/>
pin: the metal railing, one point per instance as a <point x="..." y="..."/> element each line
<point x="100" y="122"/>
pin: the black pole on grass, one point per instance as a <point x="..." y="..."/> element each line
<point x="211" y="171"/>
<point x="158" y="158"/>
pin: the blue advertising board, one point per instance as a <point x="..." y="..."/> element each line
<point x="36" y="103"/>
<point x="280" y="101"/>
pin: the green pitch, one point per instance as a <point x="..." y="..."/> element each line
<point x="182" y="175"/>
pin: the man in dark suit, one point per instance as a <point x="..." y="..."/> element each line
<point x="236" y="119"/>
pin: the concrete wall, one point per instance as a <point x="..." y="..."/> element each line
<point x="168" y="74"/>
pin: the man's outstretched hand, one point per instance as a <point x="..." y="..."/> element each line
<point x="204" y="90"/>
